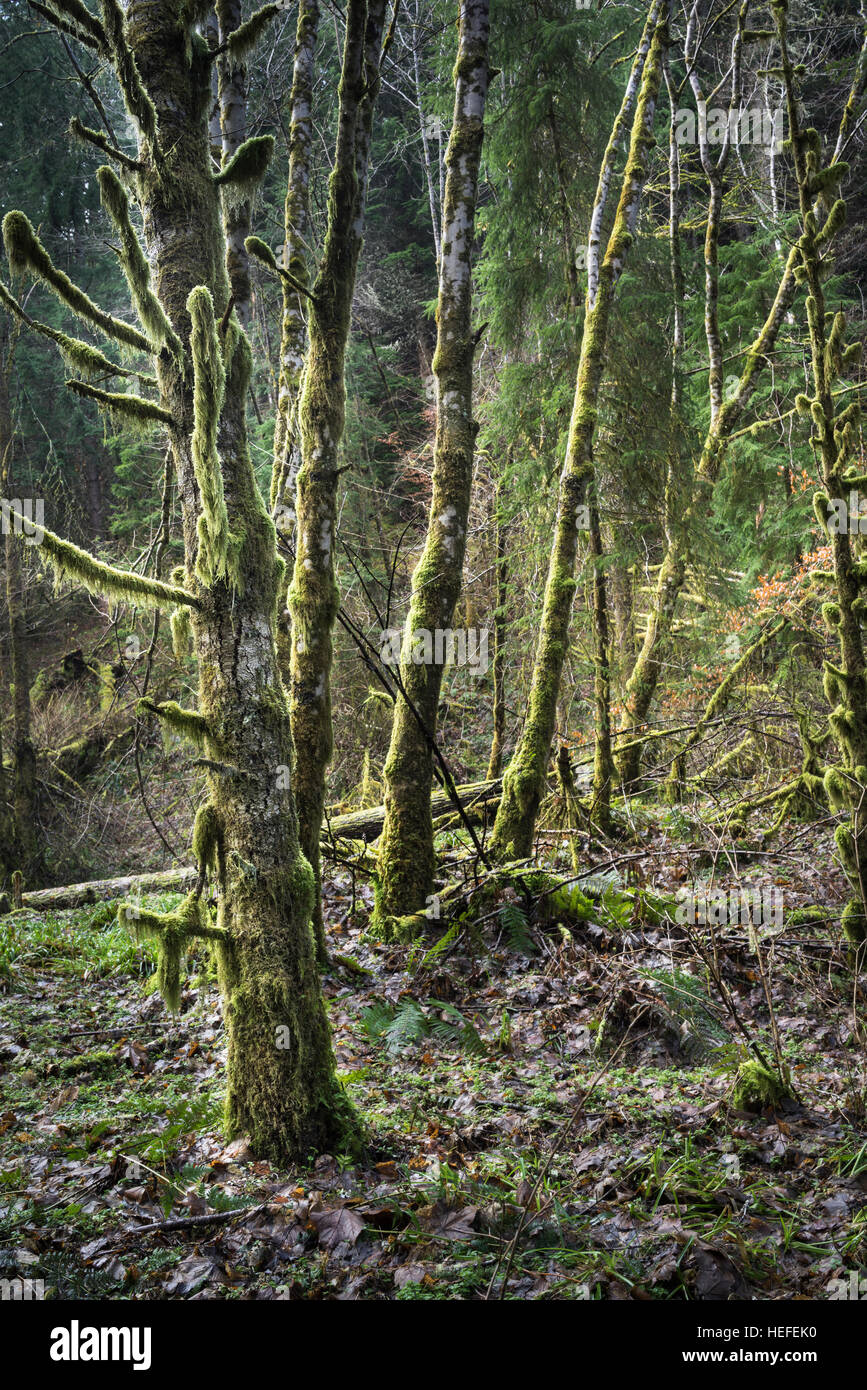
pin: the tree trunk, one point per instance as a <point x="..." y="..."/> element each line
<point x="281" y="1084"/>
<point x="524" y="780"/>
<point x="26" y="850"/>
<point x="407" y="859"/>
<point x="498" y="663"/>
<point x="313" y="597"/>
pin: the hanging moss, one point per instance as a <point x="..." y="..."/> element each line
<point x="135" y="264"/>
<point x="182" y="633"/>
<point x="209" y="387"/>
<point x="75" y="352"/>
<point x="138" y="103"/>
<point x="245" y="170"/>
<point x="186" y="723"/>
<point x="172" y="932"/>
<point x="123" y="586"/>
<point x="208" y="838"/>
<point x="247" y="35"/>
<point x="26" y="253"/>
<point x="135" y="412"/>
<point x="87" y="136"/>
<point x="80" y="16"/>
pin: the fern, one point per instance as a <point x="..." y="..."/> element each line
<point x="409" y="1025"/>
<point x="514" y="922"/>
<point x="399" y="1027"/>
<point x="685" y="1008"/>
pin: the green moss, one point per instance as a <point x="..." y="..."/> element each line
<point x="69" y="562"/>
<point x="172" y="931"/>
<point x="182" y="633"/>
<point x="757" y="1088"/>
<point x="135" y="412"/>
<point x="208" y="839"/>
<point x="245" y="170"/>
<point x="186" y="723"/>
<point x="135" y="264"/>
<point x="26" y="253"/>
<point x="138" y="103"/>
<point x="247" y="35"/>
<point x="209" y="378"/>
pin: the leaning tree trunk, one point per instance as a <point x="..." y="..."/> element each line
<point x="406" y="858"/>
<point x="524" y="779"/>
<point x="282" y="1089"/>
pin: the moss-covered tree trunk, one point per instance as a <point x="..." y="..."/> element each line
<point x="524" y="779"/>
<point x="603" y="760"/>
<point x="642" y="685"/>
<point x="293" y="326"/>
<point x="498" y="658"/>
<point x="834" y="440"/>
<point x="282" y="1089"/>
<point x="406" y="856"/>
<point x="313" y="597"/>
<point x="23" y="853"/>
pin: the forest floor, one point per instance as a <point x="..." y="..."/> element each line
<point x="548" y="1107"/>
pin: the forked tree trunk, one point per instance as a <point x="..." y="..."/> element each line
<point x="282" y="1089"/>
<point x="407" y="848"/>
<point x="281" y="1085"/>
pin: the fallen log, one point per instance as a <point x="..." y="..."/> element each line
<point x="477" y="798"/>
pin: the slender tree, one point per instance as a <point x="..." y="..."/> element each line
<point x="524" y="779"/>
<point x="321" y="397"/>
<point x="406" y="857"/>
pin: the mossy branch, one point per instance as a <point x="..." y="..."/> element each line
<point x="87" y="135"/>
<point x="135" y="264"/>
<point x="172" y="931"/>
<point x="241" y="40"/>
<point x="186" y="723"/>
<point x="26" y="253"/>
<point x="75" y="19"/>
<point x="137" y="101"/>
<point x="246" y="169"/>
<point x="209" y="375"/>
<point x="122" y="586"/>
<point x="262" y="252"/>
<point x="80" y="356"/>
<point x="136" y="411"/>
